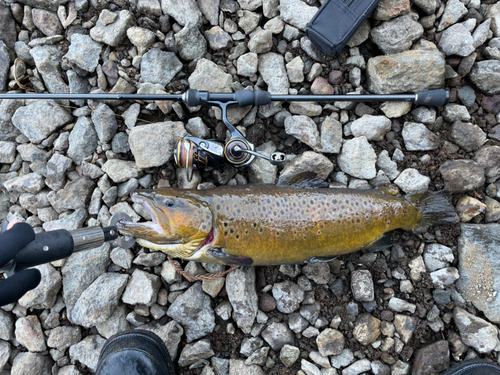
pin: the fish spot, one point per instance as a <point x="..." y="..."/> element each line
<point x="218" y="207"/>
<point x="232" y="230"/>
<point x="365" y="203"/>
<point x="367" y="217"/>
<point x="225" y="233"/>
<point x="268" y="201"/>
<point x="334" y="201"/>
<point x="282" y="212"/>
<point x="381" y="215"/>
<point x="340" y="215"/>
<point x="260" y="230"/>
<point x="397" y="213"/>
<point x="204" y="227"/>
<point x="357" y="203"/>
<point x="264" y="209"/>
<point x="255" y="225"/>
<point x="237" y="236"/>
<point x="312" y="202"/>
<point x="346" y="201"/>
<point x="357" y="221"/>
<point x="225" y="224"/>
<point x="319" y="232"/>
<point x="388" y="222"/>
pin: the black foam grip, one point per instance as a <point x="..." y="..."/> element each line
<point x="13" y="240"/>
<point x="17" y="285"/>
<point x="247" y="97"/>
<point x="435" y="98"/>
<point x="47" y="247"/>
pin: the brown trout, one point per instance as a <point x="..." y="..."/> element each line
<point x="288" y="223"/>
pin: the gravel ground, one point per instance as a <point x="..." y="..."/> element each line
<point x="427" y="302"/>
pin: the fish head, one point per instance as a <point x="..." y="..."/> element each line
<point x="180" y="221"/>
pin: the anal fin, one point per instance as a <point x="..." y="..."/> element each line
<point x="381" y="243"/>
<point x="320" y="259"/>
<point x="230" y="260"/>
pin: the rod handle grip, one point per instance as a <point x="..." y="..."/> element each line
<point x="435" y="98"/>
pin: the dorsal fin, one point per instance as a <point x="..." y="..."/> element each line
<point x="306" y="179"/>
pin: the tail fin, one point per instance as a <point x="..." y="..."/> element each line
<point x="435" y="208"/>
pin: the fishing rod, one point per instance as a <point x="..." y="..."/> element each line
<point x="193" y="152"/>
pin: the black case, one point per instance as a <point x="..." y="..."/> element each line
<point x="336" y="22"/>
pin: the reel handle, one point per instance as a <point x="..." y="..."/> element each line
<point x="277" y="158"/>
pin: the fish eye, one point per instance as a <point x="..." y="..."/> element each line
<point x="169" y="202"/>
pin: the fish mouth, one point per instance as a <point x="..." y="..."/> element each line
<point x="130" y="227"/>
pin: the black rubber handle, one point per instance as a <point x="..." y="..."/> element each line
<point x="436" y="98"/>
<point x="47" y="247"/>
<point x="244" y="98"/>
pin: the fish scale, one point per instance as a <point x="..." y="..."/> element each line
<point x="276" y="226"/>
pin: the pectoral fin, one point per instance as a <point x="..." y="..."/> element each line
<point x="307" y="179"/>
<point x="320" y="259"/>
<point x="230" y="260"/>
<point x="388" y="189"/>
<point x="380" y="244"/>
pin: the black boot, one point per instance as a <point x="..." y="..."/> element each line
<point x="135" y="352"/>
<point x="474" y="367"/>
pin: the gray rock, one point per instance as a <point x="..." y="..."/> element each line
<point x="75" y="195"/>
<point x="486" y="76"/>
<point x="97" y="303"/>
<point x="45" y="294"/>
<point x="311" y="312"/>
<point x="330" y="136"/>
<point x="239" y="367"/>
<point x="105" y="124"/>
<point x="305" y="108"/>
<point x="4" y="66"/>
<point x="433" y="358"/>
<point x="489" y="158"/>
<point x="131" y="114"/>
<point x="153" y="145"/>
<point x="309" y="368"/>
<point x="304" y="129"/>
<point x="7" y="152"/>
<point x="247" y="64"/>
<point x="185" y="12"/>
<point x="47" y="22"/>
<point x="5" y="352"/>
<point x="366" y="329"/>
<point x="87" y="351"/>
<point x="192" y="353"/>
<point x="468" y="207"/>
<point x="6" y="326"/>
<point x="454" y="10"/>
<point x="469" y="137"/>
<point x="481" y="33"/>
<point x="358" y="367"/>
<point x="462" y="175"/>
<point x="29" y="183"/>
<point x="82" y="140"/>
<point x="400" y="305"/>
<point x="477" y="252"/>
<point x="289" y="355"/>
<point x="7" y="29"/>
<point x="424" y="115"/>
<point x="208" y="76"/>
<point x="395" y="109"/>
<point x="455" y="112"/>
<point x="210" y="9"/>
<point x="456" y="40"/>
<point x="288" y="296"/>
<point x="116" y="323"/>
<point x="249" y="21"/>
<point x="418" y="138"/>
<point x="296" y="13"/>
<point x="218" y="38"/>
<point x="405" y="326"/>
<point x="40" y="119"/>
<point x="142" y="288"/>
<point x="61" y="338"/>
<point x="119" y="144"/>
<point x="114" y="32"/>
<point x="56" y="171"/>
<point x="159" y="67"/>
<point x="190" y="43"/>
<point x="29" y="334"/>
<point x="330" y="342"/>
<point x="142" y="38"/>
<point x="410" y="180"/>
<point x="277" y="335"/>
<point x="197" y="127"/>
<point x="318" y="272"/>
<point x="261" y="41"/>
<point x="362" y="286"/>
<point x="476" y="332"/>
<point x="397" y="35"/>
<point x="358" y="158"/>
<point x="47" y="63"/>
<point x="192" y="309"/>
<point x="171" y="334"/>
<point x="379" y="368"/>
<point x="31" y="363"/>
<point x="8" y="132"/>
<point x="261" y="171"/>
<point x="344" y="359"/>
<point x="444" y="277"/>
<point x="80" y="270"/>
<point x="492" y="210"/>
<point x="69" y="222"/>
<point x="374" y="128"/>
<point x="295" y="70"/>
<point x="250" y="345"/>
<point x="384" y="73"/>
<point x="272" y="68"/>
<point x="240" y="287"/>
<point x="389" y="167"/>
<point x="437" y="256"/>
<point x="84" y="52"/>
<point x="120" y="170"/>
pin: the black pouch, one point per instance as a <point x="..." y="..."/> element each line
<point x="336" y="22"/>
